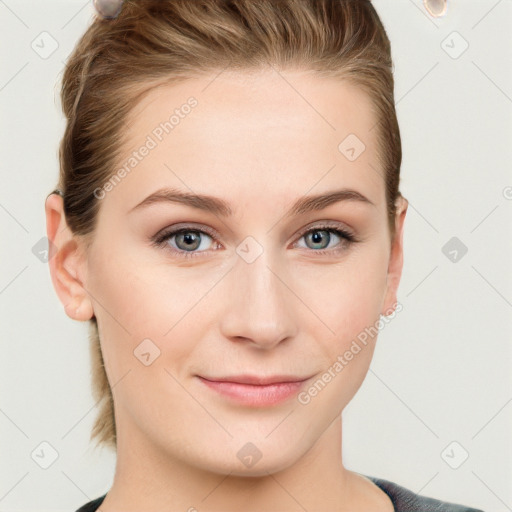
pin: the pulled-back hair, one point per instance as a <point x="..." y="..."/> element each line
<point x="153" y="42"/>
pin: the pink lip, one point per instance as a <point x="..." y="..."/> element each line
<point x="255" y="391"/>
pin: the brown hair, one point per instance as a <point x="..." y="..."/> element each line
<point x="153" y="42"/>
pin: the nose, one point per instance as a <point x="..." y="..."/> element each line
<point x="261" y="309"/>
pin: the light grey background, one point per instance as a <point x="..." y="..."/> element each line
<point x="442" y="368"/>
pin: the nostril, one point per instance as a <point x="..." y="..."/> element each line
<point x="436" y="8"/>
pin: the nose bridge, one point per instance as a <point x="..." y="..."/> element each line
<point x="261" y="308"/>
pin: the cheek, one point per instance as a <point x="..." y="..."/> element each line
<point x="151" y="313"/>
<point x="141" y="296"/>
<point x="347" y="300"/>
<point x="347" y="297"/>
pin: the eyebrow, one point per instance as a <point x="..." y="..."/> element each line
<point x="221" y="208"/>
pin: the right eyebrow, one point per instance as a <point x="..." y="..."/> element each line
<point x="211" y="204"/>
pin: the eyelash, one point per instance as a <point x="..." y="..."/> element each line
<point x="160" y="239"/>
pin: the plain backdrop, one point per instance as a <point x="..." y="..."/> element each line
<point x="435" y="411"/>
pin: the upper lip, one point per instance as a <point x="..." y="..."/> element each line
<point x="257" y="380"/>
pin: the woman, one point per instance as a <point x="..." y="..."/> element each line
<point x="228" y="219"/>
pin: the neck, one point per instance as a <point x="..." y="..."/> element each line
<point x="149" y="478"/>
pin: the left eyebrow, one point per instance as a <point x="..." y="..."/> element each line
<point x="319" y="202"/>
<point x="219" y="207"/>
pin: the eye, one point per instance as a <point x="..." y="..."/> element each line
<point x="189" y="241"/>
<point x="319" y="238"/>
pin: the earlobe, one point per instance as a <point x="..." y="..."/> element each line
<point x="66" y="262"/>
<point x="396" y="259"/>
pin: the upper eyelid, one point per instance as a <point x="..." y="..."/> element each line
<point x="330" y="225"/>
<point x="213" y="232"/>
<point x="326" y="225"/>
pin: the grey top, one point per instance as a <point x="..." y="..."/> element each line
<point x="407" y="501"/>
<point x="403" y="500"/>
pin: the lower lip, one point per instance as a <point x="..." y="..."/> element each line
<point x="255" y="396"/>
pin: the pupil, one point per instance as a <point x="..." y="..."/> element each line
<point x="317" y="236"/>
<point x="191" y="240"/>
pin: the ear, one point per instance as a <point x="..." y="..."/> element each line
<point x="396" y="259"/>
<point x="67" y="262"/>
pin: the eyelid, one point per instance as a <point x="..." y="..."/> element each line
<point x="327" y="224"/>
<point x="173" y="230"/>
<point x="186" y="226"/>
<point x="215" y="234"/>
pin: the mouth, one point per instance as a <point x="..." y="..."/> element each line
<point x="255" y="391"/>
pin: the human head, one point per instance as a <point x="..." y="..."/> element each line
<point x="153" y="43"/>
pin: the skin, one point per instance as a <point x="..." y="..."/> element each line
<point x="255" y="142"/>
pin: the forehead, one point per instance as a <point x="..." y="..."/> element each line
<point x="285" y="131"/>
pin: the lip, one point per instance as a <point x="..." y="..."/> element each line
<point x="256" y="391"/>
<point x="256" y="380"/>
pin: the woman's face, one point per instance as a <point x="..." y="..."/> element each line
<point x="256" y="295"/>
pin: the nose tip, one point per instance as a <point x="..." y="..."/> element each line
<point x="260" y="310"/>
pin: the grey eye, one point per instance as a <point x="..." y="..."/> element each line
<point x="319" y="237"/>
<point x="190" y="240"/>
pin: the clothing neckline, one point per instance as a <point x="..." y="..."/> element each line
<point x="402" y="499"/>
<point x="93" y="506"/>
<point x="379" y="483"/>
